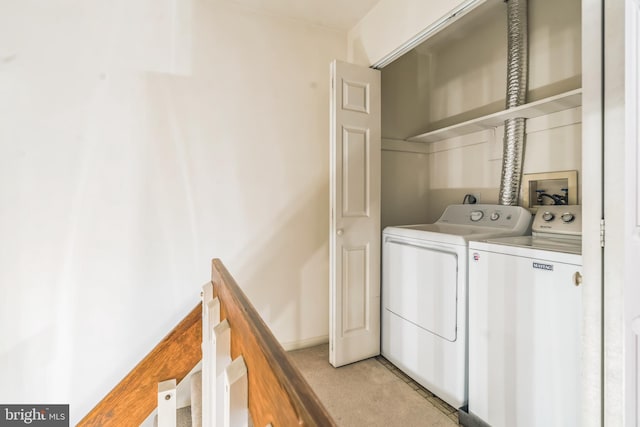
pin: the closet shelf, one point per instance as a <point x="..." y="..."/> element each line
<point x="563" y="101"/>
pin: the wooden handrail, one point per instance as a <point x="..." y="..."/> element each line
<point x="278" y="393"/>
<point x="136" y="396"/>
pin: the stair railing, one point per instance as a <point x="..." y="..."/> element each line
<point x="135" y="397"/>
<point x="277" y="394"/>
<point x="247" y="377"/>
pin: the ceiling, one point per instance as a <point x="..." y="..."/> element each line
<point x="338" y="14"/>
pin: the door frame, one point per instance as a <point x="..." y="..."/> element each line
<point x="621" y="185"/>
<point x="592" y="211"/>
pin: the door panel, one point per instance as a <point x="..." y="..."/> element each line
<point x="355" y="170"/>
<point x="354" y="240"/>
<point x="354" y="290"/>
<point x="355" y="96"/>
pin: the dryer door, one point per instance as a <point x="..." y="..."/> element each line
<point x="420" y="283"/>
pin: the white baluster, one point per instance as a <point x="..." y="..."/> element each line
<point x="222" y="359"/>
<point x="167" y="403"/>
<point x="213" y="307"/>
<point x="236" y="394"/>
<point x="635" y="327"/>
<point x="207" y="295"/>
<point x="210" y="319"/>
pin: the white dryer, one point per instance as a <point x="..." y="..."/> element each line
<point x="424" y="293"/>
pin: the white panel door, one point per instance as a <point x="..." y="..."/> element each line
<point x="355" y="214"/>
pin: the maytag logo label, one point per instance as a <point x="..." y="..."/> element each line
<point x="34" y="415"/>
<point x="540" y="266"/>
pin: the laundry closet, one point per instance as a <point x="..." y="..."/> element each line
<point x="441" y="127"/>
<point x="434" y="133"/>
<point x="442" y="124"/>
<point x="427" y="130"/>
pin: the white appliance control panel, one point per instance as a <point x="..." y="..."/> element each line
<point x="497" y="216"/>
<point x="558" y="219"/>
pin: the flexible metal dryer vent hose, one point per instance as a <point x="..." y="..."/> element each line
<point x="514" y="129"/>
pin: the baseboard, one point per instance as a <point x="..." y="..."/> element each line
<point x="467" y="419"/>
<point x="309" y="342"/>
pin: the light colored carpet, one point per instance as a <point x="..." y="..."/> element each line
<point x="367" y="393"/>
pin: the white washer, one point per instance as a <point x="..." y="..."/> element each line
<point x="525" y="325"/>
<point x="424" y="293"/>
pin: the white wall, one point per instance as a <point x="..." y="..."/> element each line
<point x="419" y="183"/>
<point x="405" y="184"/>
<point x="460" y="74"/>
<point x="138" y="140"/>
<point x="390" y="24"/>
<point x="553" y="143"/>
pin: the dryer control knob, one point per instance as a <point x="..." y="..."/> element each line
<point x="548" y="216"/>
<point x="568" y="217"/>
<point x="495" y="216"/>
<point x="476" y="215"/>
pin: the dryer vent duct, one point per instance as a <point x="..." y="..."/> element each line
<point x="514" y="129"/>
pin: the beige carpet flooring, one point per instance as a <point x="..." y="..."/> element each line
<point x="370" y="393"/>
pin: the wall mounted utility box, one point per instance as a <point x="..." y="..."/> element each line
<point x="542" y="188"/>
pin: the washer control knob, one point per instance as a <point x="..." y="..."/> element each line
<point x="567" y="217"/>
<point x="548" y="216"/>
<point x="476" y="215"/>
<point x="339" y="232"/>
<point x="495" y="216"/>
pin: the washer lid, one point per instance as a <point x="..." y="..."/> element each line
<point x="454" y="234"/>
<point x="554" y="244"/>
